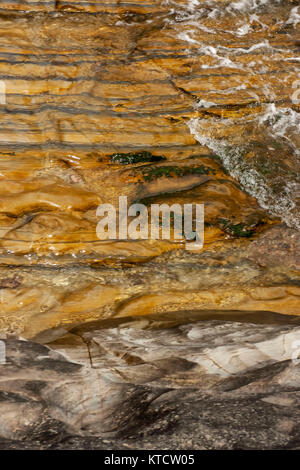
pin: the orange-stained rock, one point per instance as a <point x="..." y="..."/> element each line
<point x="199" y="98"/>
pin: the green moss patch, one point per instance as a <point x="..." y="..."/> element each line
<point x="151" y="174"/>
<point x="236" y="230"/>
<point x="138" y="157"/>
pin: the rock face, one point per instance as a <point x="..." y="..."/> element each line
<point x="210" y="384"/>
<point x="164" y="102"/>
<point x="105" y="100"/>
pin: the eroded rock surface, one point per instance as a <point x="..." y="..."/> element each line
<point x="208" y="384"/>
<point x="105" y="100"/>
<point x="166" y="101"/>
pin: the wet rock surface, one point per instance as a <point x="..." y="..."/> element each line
<point x="145" y="343"/>
<point x="105" y="100"/>
<point x="279" y="244"/>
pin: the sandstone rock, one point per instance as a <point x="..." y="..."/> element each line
<point x="280" y="245"/>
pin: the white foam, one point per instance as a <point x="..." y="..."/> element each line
<point x="280" y="123"/>
<point x="281" y="205"/>
<point x="283" y="122"/>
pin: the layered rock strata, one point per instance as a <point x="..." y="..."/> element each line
<point x="162" y="102"/>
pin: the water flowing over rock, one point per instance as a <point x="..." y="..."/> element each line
<point x="142" y="343"/>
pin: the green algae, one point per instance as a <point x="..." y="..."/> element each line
<point x="236" y="230"/>
<point x="151" y="174"/>
<point x="138" y="157"/>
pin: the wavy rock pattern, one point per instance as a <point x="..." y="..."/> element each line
<point x="165" y="101"/>
<point x="210" y="384"/>
<point x="87" y="82"/>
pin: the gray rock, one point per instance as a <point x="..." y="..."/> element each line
<point x="206" y="385"/>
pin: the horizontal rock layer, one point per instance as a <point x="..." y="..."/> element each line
<point x="86" y="82"/>
<point x="151" y="344"/>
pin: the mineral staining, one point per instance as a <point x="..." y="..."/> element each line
<point x="163" y="104"/>
<point x="126" y="133"/>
